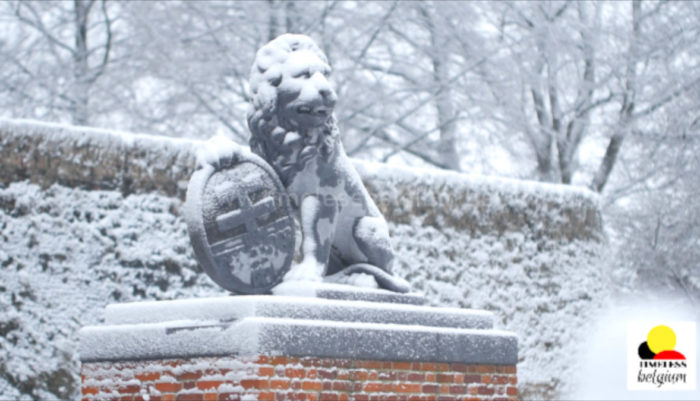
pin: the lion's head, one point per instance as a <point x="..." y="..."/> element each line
<point x="292" y="102"/>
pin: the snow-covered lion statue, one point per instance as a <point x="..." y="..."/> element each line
<point x="293" y="128"/>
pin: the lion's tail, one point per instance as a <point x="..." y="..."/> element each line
<point x="384" y="279"/>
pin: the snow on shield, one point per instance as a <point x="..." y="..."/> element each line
<point x="239" y="221"/>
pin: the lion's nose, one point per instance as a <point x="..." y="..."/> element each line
<point x="324" y="88"/>
<point x="328" y="94"/>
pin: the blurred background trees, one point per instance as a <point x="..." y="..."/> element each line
<point x="599" y="94"/>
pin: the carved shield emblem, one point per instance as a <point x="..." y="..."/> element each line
<point x="240" y="224"/>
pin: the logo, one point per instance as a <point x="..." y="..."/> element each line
<point x="661" y="356"/>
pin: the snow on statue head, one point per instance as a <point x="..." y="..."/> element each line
<point x="293" y="128"/>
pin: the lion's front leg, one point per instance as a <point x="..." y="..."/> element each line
<point x="318" y="215"/>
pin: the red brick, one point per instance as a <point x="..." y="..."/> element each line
<point x="402" y="365"/>
<point x="311" y="385"/>
<point x="266" y="396"/>
<point x="187" y="376"/>
<point x="408" y="388"/>
<point x="500" y="379"/>
<point x="459" y="378"/>
<point x="279" y="384"/>
<point x="430" y="377"/>
<point x="386" y="375"/>
<point x="458" y="389"/>
<point x="89" y="390"/>
<point x="446" y="398"/>
<point x="308" y="362"/>
<point x="229" y="397"/>
<point x="458" y="367"/>
<point x="168" y="397"/>
<point x="327" y="385"/>
<point x="472" y="379"/>
<point x="372" y="375"/>
<point x="148" y="376"/>
<point x="373" y="365"/>
<point x="437" y="367"/>
<point x="511" y="390"/>
<point x="343" y="375"/>
<point x="358" y="375"/>
<point x="254" y="383"/>
<point x="311" y="374"/>
<point x="294" y="373"/>
<point x="189" y="385"/>
<point x="512" y="380"/>
<point x="486" y="379"/>
<point x="327" y="374"/>
<point x="445" y="378"/>
<point x="511" y="369"/>
<point x="210" y="397"/>
<point x="415" y="377"/>
<point x="190" y="397"/>
<point x="342" y="385"/>
<point x="430" y="388"/>
<point x="128" y="397"/>
<point x="344" y="397"/>
<point x="278" y="360"/>
<point x="373" y="387"/>
<point x="208" y="384"/>
<point x="360" y="397"/>
<point x="329" y="397"/>
<point x="485" y="368"/>
<point x="312" y="396"/>
<point x="402" y="376"/>
<point x="266" y="371"/>
<point x="483" y="390"/>
<point x="129" y="389"/>
<point x="262" y="359"/>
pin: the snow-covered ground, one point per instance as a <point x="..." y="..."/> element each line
<point x="532" y="253"/>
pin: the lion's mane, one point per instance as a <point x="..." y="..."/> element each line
<point x="268" y="129"/>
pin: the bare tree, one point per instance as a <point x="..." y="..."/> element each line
<point x="62" y="35"/>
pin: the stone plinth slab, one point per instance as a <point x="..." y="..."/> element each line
<point x="296" y="326"/>
<point x="234" y="308"/>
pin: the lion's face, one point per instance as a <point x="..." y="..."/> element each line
<point x="290" y="78"/>
<point x="304" y="96"/>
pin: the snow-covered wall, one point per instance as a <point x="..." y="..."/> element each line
<point x="89" y="217"/>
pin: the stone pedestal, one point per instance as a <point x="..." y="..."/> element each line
<point x="326" y="342"/>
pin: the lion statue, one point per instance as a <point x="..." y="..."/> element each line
<point x="293" y="128"/>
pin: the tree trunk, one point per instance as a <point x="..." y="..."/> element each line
<point x="80" y="60"/>
<point x="447" y="145"/>
<point x="627" y="109"/>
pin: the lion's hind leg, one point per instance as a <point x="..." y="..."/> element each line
<point x="371" y="235"/>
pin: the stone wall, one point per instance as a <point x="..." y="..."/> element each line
<point x="274" y="378"/>
<point x="91" y="217"/>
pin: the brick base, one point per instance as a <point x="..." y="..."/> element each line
<point x="285" y="378"/>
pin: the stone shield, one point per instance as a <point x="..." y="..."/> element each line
<point x="240" y="224"/>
